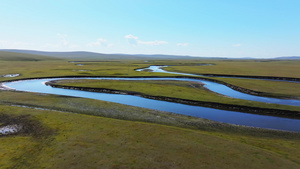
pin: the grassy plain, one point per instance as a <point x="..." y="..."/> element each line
<point x="273" y="88"/>
<point x="93" y="137"/>
<point x="95" y="134"/>
<point x="64" y="68"/>
<point x="277" y="68"/>
<point x="175" y="89"/>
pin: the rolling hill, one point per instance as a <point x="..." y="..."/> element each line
<point x="82" y="55"/>
<point x="13" y="56"/>
<point x="32" y="55"/>
<point x="288" y="58"/>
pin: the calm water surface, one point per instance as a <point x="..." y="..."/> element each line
<point x="38" y="85"/>
<point x="227" y="91"/>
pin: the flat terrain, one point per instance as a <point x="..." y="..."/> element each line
<point x="175" y="89"/>
<point x="80" y="141"/>
<point x="277" y="68"/>
<point x="68" y="132"/>
<point x="274" y="88"/>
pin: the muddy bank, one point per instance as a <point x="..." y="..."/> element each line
<point x="244" y="90"/>
<point x="291" y="79"/>
<point x="2" y="87"/>
<point x="237" y="88"/>
<point x="222" y="106"/>
<point x="255" y="77"/>
<point x="258" y="93"/>
<point x="252" y="92"/>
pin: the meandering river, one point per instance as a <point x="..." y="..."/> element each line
<point x="232" y="117"/>
<point x="156" y="68"/>
<point x="224" y="90"/>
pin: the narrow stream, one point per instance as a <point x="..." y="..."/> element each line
<point x="232" y="117"/>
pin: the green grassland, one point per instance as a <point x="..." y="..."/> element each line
<point x="97" y="136"/>
<point x="64" y="68"/>
<point x="277" y="68"/>
<point x="273" y="88"/>
<point x="83" y="133"/>
<point x="37" y="69"/>
<point x="290" y="68"/>
<point x="175" y="89"/>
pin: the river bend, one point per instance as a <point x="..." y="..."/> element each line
<point x="232" y="117"/>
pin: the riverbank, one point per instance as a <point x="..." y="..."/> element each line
<point x="234" y="87"/>
<point x="91" y="133"/>
<point x="229" y="80"/>
<point x="231" y="107"/>
<point x="247" y="68"/>
<point x="81" y="141"/>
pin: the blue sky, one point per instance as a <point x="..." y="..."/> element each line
<point x="214" y="28"/>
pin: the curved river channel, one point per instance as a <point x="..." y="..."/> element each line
<point x="232" y="117"/>
<point x="159" y="69"/>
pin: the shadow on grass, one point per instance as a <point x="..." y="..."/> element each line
<point x="27" y="125"/>
<point x="41" y="137"/>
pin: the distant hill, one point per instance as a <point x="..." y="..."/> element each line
<point x="12" y="56"/>
<point x="288" y="58"/>
<point x="32" y="55"/>
<point x="81" y="55"/>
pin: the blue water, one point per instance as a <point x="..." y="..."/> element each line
<point x="227" y="91"/>
<point x="159" y="69"/>
<point x="231" y="117"/>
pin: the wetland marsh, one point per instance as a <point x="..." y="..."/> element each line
<point x="149" y="84"/>
<point x="208" y="113"/>
<point x="71" y="122"/>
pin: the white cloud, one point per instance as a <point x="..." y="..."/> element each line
<point x="131" y="37"/>
<point x="236" y="45"/>
<point x="182" y="44"/>
<point x="100" y="42"/>
<point x="133" y="40"/>
<point x="152" y="43"/>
